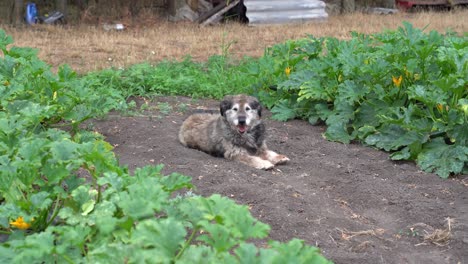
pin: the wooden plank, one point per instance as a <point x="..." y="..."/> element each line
<point x="218" y="15"/>
<point x="211" y="12"/>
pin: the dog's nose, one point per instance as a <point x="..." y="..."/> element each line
<point x="242" y="120"/>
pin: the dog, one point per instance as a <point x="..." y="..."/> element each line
<point x="236" y="133"/>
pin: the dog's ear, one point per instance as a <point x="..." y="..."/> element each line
<point x="225" y="105"/>
<point x="256" y="105"/>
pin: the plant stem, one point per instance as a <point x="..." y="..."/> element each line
<point x="67" y="258"/>
<point x="55" y="212"/>
<point x="187" y="243"/>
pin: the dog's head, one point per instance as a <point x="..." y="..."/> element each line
<point x="242" y="112"/>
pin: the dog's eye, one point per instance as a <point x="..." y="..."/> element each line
<point x="234" y="109"/>
<point x="247" y="108"/>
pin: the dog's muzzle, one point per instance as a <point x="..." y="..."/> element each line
<point x="242" y="124"/>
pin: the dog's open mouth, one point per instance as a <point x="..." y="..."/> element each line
<point x="241" y="128"/>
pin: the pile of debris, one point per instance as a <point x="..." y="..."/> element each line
<point x="253" y="12"/>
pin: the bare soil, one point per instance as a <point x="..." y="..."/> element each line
<point x="352" y="201"/>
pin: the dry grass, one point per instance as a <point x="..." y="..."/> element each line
<point x="88" y="48"/>
<point x="347" y="235"/>
<point x="440" y="237"/>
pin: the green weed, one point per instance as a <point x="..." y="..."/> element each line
<point x="165" y="108"/>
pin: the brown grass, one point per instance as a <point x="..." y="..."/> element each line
<point x="439" y="237"/>
<point x="88" y="48"/>
<point x="347" y="235"/>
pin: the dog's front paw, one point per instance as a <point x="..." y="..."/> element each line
<point x="263" y="164"/>
<point x="280" y="159"/>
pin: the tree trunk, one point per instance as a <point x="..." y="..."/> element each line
<point x="19" y="12"/>
<point x="174" y="5"/>
<point x="389" y="3"/>
<point x="82" y="4"/>
<point x="348" y="6"/>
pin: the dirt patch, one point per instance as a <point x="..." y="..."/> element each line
<point x="352" y="201"/>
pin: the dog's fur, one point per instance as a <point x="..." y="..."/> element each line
<point x="237" y="133"/>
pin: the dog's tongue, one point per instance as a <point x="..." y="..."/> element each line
<point x="241" y="128"/>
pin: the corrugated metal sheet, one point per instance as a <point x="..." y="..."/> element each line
<point x="280" y="11"/>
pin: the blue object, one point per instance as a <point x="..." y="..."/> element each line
<point x="31" y="13"/>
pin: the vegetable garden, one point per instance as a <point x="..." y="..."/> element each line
<point x="65" y="197"/>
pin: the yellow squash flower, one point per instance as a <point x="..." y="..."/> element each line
<point x="287" y="71"/>
<point x="440" y="107"/>
<point x="20" y="223"/>
<point x="397" y="81"/>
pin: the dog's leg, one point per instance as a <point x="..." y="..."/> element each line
<point x="254" y="161"/>
<point x="273" y="157"/>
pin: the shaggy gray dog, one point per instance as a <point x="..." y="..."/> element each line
<point x="237" y="133"/>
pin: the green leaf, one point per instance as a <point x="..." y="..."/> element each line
<point x="295" y="251"/>
<point x="79" y="113"/>
<point x="428" y="95"/>
<point x="83" y="194"/>
<point x="35" y="248"/>
<point x="5" y="40"/>
<point x="463" y="104"/>
<point x="73" y="182"/>
<point x="64" y="150"/>
<point x="65" y="73"/>
<point x="40" y="201"/>
<point x="459" y="134"/>
<point x="143" y="199"/>
<point x="368" y="112"/>
<point x="162" y="239"/>
<point x="32" y="149"/>
<point x="104" y="216"/>
<point x="55" y="172"/>
<point x="87" y="207"/>
<point x="6" y="253"/>
<point x="176" y="181"/>
<point x="110" y="253"/>
<point x="283" y="112"/>
<point x="69" y="240"/>
<point x="247" y="253"/>
<point x="351" y="92"/>
<point x="198" y="254"/>
<point x="409" y="152"/>
<point x="338" y="123"/>
<point x="393" y="137"/>
<point x="442" y="159"/>
<point x="218" y="237"/>
<point x="113" y="182"/>
<point x="8" y="211"/>
<point x="23" y="52"/>
<point x="403" y="154"/>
